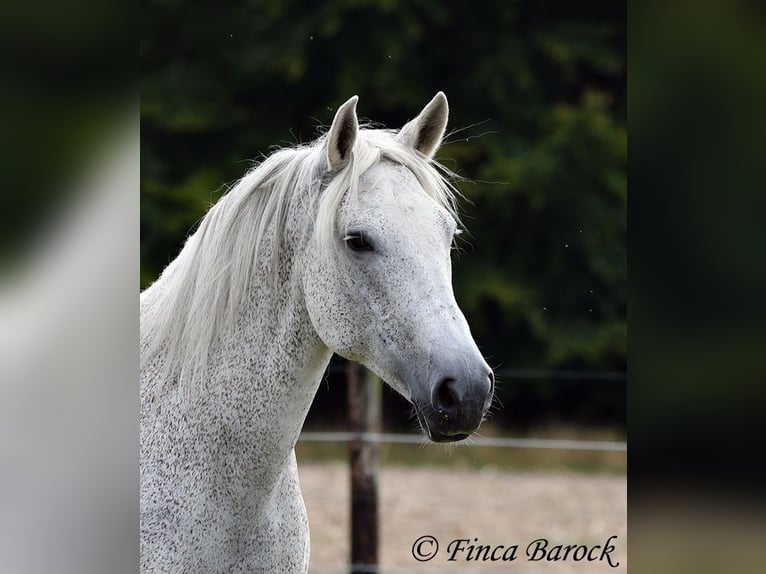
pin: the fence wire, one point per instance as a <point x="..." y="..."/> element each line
<point x="499" y="442"/>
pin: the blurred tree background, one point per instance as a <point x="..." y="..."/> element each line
<point x="537" y="121"/>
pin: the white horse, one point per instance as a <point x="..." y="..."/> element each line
<point x="341" y="246"/>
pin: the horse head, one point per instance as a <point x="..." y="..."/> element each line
<point x="377" y="272"/>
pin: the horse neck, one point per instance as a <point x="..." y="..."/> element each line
<point x="265" y="372"/>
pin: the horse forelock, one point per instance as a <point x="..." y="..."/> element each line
<point x="198" y="295"/>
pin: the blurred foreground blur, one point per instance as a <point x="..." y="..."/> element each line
<point x="68" y="368"/>
<point x="69" y="231"/>
<point x="697" y="87"/>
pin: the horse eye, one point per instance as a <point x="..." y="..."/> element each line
<point x="357" y="241"/>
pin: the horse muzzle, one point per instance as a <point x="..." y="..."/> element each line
<point x="456" y="405"/>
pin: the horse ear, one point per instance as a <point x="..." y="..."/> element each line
<point x="426" y="131"/>
<point x="342" y="134"/>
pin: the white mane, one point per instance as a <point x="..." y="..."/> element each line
<point x="197" y="296"/>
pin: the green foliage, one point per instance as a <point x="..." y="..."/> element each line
<point x="547" y="264"/>
<point x="537" y="94"/>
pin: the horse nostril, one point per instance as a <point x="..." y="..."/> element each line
<point x="491" y="382"/>
<point x="446" y="396"/>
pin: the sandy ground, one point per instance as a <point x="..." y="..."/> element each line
<point x="498" y="508"/>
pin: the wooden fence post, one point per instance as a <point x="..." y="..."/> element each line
<point x="364" y="397"/>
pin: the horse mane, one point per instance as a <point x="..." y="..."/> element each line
<point x="197" y="296"/>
